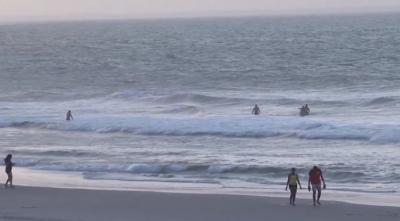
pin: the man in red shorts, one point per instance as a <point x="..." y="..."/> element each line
<point x="314" y="182"/>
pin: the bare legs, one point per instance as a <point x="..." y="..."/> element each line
<point x="319" y="196"/>
<point x="316" y="200"/>
<point x="9" y="180"/>
<point x="292" y="199"/>
<point x="293" y="191"/>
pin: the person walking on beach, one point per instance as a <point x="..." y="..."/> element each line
<point x="314" y="182"/>
<point x="9" y="165"/>
<point x="292" y="181"/>
<point x="69" y="115"/>
<point x="256" y="110"/>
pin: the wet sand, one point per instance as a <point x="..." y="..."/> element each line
<point x="58" y="204"/>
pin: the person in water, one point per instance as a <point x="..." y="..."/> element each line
<point x="9" y="165"/>
<point x="307" y="109"/>
<point x="314" y="183"/>
<point x="256" y="110"/>
<point x="292" y="181"/>
<point x="69" y="115"/>
<point x="304" y="110"/>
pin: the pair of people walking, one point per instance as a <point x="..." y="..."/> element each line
<point x="314" y="183"/>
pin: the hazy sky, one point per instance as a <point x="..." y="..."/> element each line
<point x="80" y="9"/>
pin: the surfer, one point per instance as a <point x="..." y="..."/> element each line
<point x="69" y="115"/>
<point x="256" y="110"/>
<point x="307" y="109"/>
<point x="314" y="182"/>
<point x="304" y="110"/>
<point x="9" y="165"/>
<point x="292" y="181"/>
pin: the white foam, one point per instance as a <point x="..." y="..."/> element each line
<point x="236" y="126"/>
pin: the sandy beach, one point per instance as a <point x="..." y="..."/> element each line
<point x="37" y="204"/>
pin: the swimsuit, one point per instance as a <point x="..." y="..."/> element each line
<point x="293" y="178"/>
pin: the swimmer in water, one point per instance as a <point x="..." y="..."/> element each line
<point x="69" y="115"/>
<point x="256" y="110"/>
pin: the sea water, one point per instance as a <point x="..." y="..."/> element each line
<point x="170" y="100"/>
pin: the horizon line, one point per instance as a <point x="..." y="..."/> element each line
<point x="186" y="15"/>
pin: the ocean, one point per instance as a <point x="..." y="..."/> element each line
<point x="170" y="100"/>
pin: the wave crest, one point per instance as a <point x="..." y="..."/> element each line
<point x="381" y="100"/>
<point x="242" y="127"/>
<point x="215" y="170"/>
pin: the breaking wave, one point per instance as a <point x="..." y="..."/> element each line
<point x="240" y="127"/>
<point x="381" y="101"/>
<point x="141" y="168"/>
<point x="206" y="99"/>
<point x="201" y="170"/>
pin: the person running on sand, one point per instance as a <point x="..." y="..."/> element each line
<point x="256" y="110"/>
<point x="315" y="177"/>
<point x="9" y="165"/>
<point x="69" y="115"/>
<point x="292" y="181"/>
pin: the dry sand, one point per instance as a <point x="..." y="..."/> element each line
<point x="48" y="204"/>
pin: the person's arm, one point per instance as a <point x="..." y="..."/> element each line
<point x="298" y="181"/>
<point x="323" y="181"/>
<point x="309" y="183"/>
<point x="287" y="183"/>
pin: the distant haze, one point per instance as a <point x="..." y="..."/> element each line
<point x="106" y="9"/>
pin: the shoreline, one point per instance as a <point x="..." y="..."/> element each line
<point x="29" y="178"/>
<point x="58" y="204"/>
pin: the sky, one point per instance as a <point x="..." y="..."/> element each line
<point x="105" y="9"/>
